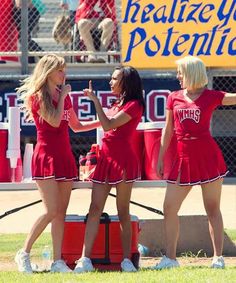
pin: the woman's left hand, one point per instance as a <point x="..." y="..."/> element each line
<point x="89" y="92"/>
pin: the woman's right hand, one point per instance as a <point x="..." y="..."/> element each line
<point x="65" y="89"/>
<point x="160" y="168"/>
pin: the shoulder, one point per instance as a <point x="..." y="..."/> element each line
<point x="133" y="104"/>
<point x="172" y="97"/>
<point x="133" y="107"/>
<point x="176" y="93"/>
<point x="213" y="97"/>
<point x="214" y="92"/>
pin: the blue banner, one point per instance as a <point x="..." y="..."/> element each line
<point x="156" y="92"/>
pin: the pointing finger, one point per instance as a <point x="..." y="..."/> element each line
<point x="90" y="86"/>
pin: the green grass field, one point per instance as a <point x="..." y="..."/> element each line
<point x="9" y="243"/>
<point x="180" y="275"/>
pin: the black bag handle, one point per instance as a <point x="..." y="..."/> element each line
<point x="104" y="219"/>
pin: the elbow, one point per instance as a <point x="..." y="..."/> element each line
<point x="107" y="128"/>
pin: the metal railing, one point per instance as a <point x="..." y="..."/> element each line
<point x="38" y="27"/>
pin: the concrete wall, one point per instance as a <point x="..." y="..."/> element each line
<point x="194" y="237"/>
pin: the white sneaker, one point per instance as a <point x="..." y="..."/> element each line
<point x="92" y="59"/>
<point x="84" y="264"/>
<point x="60" y="266"/>
<point x="101" y="59"/>
<point x="166" y="263"/>
<point x="35" y="267"/>
<point x="22" y="259"/>
<point x="218" y="262"/>
<point x="127" y="266"/>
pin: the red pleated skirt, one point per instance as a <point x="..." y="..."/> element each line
<point x="196" y="161"/>
<point x="117" y="162"/>
<point x="54" y="161"/>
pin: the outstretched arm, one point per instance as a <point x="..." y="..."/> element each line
<point x="78" y="126"/>
<point x="107" y="124"/>
<point x="229" y="99"/>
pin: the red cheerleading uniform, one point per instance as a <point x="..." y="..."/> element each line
<point x="117" y="160"/>
<point x="52" y="157"/>
<point x="198" y="158"/>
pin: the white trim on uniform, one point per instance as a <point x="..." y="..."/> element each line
<point x="199" y="182"/>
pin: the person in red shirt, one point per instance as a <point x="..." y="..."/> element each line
<point x="46" y="100"/>
<point x="8" y="31"/>
<point x="198" y="159"/>
<point x="96" y="14"/>
<point x="117" y="163"/>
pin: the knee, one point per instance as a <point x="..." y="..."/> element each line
<point x="212" y="209"/>
<point x="60" y="215"/>
<point x="95" y="210"/>
<point x="83" y="25"/>
<point x="107" y="24"/>
<point x="170" y="209"/>
<point x="51" y="214"/>
<point x="124" y="215"/>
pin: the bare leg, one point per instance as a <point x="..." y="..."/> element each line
<point x="211" y="193"/>
<point x="99" y="196"/>
<point x="85" y="26"/>
<point x="107" y="27"/>
<point x="57" y="228"/>
<point x="49" y="192"/>
<point x="174" y="197"/>
<point x="122" y="201"/>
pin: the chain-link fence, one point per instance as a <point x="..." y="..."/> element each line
<point x="84" y="30"/>
<point x="224" y="118"/>
<point x="223" y="125"/>
<point x="88" y="31"/>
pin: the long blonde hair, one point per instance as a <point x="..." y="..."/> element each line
<point x="36" y="85"/>
<point x="194" y="72"/>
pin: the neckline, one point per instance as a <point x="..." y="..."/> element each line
<point x="189" y="100"/>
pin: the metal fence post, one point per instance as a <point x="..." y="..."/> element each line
<point x="24" y="37"/>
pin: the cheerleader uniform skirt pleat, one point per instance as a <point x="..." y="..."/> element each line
<point x="116" y="164"/>
<point x="53" y="162"/>
<point x="197" y="161"/>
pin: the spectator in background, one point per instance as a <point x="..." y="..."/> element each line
<point x="8" y="31"/>
<point x="40" y="6"/>
<point x="92" y="15"/>
<point x="33" y="19"/>
<point x="72" y="6"/>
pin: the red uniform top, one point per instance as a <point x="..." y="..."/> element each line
<point x="198" y="158"/>
<point x="52" y="157"/>
<point x="104" y="9"/>
<point x="118" y="161"/>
